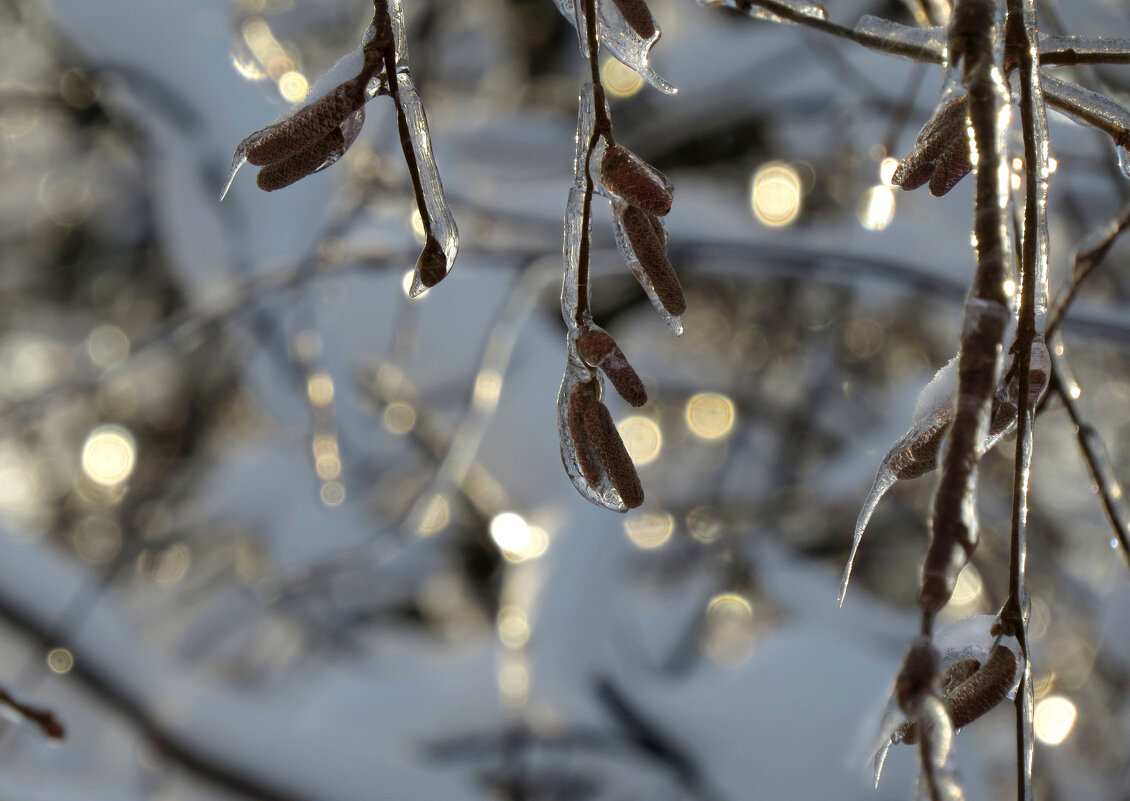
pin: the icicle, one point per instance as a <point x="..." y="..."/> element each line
<point x="442" y="230"/>
<point x="621" y="39"/>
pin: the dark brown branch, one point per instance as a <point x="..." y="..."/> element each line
<point x="975" y="46"/>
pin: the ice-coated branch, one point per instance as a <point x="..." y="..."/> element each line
<point x="441" y="238"/>
<point x="1099" y="466"/>
<point x="1088" y="256"/>
<point x="1065" y="51"/>
<point x="1092" y="108"/>
<point x="1020" y="33"/>
<point x="976" y="46"/>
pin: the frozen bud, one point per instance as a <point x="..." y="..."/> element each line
<point x="614" y="458"/>
<point x="986" y="688"/>
<point x="640" y="227"/>
<point x="638" y="16"/>
<point x="580" y="399"/>
<point x="600" y="350"/>
<point x="637" y="183"/>
<point x="432" y="264"/>
<point x="306" y="126"/>
<point x="285" y="172"/>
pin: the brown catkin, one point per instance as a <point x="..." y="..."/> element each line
<point x="598" y="349"/>
<point x="639" y="184"/>
<point x="306" y="126"/>
<point x="580" y="398"/>
<point x="984" y="689"/>
<point x="609" y="448"/>
<point x="921" y="456"/>
<point x="285" y="172"/>
<point x="638" y="16"/>
<point x="935" y="137"/>
<point x="952" y="165"/>
<point x="653" y="260"/>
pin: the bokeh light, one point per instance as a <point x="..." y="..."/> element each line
<point x="60" y="660"/>
<point x="710" y="415"/>
<point x="320" y="389"/>
<point x="108" y="455"/>
<point x="775" y="194"/>
<point x="513" y="627"/>
<point x="399" y="418"/>
<point x="436" y="516"/>
<point x="1053" y="719"/>
<point x="877" y="208"/>
<point x="293" y="86"/>
<point x="642" y="438"/>
<point x="619" y="79"/>
<point x="650" y="529"/>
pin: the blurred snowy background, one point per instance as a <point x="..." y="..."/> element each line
<point x="270" y="530"/>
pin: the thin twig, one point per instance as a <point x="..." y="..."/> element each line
<point x="1094" y="452"/>
<point x="1020" y="32"/>
<point x="602" y="127"/>
<point x="1088" y="257"/>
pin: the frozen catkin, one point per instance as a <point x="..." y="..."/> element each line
<point x="971" y="689"/>
<point x="647" y="239"/>
<point x="638" y="16"/>
<point x="306" y="127"/>
<point x="940" y="155"/>
<point x="600" y="351"/>
<point x="306" y="162"/>
<point x="600" y="452"/>
<point x="313" y="136"/>
<point x="594" y="455"/>
<point x="629" y="178"/>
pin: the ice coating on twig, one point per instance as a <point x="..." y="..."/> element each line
<point x="772" y="10"/>
<point x="581" y="386"/>
<point x="1084" y="50"/>
<point x="399" y="34"/>
<point x="1091" y="108"/>
<point x="919" y="44"/>
<point x="442" y="230"/>
<point x="615" y="33"/>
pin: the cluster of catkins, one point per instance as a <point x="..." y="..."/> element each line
<point x="314" y="135"/>
<point x="591" y="448"/>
